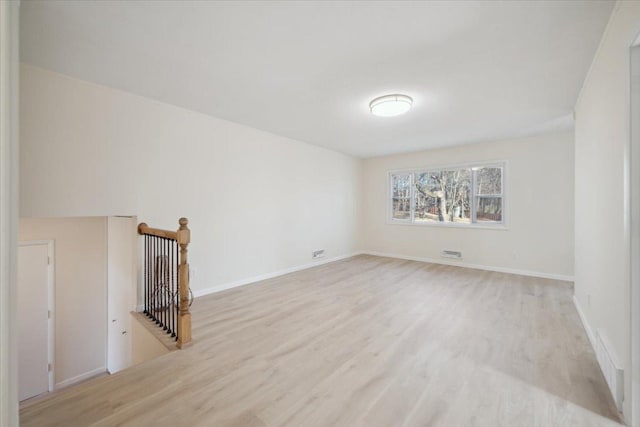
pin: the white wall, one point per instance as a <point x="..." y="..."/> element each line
<point x="602" y="185"/>
<point x="257" y="203"/>
<point x="539" y="185"/>
<point x="144" y="345"/>
<point x="80" y="292"/>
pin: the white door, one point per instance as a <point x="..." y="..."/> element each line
<point x="121" y="240"/>
<point x="33" y="319"/>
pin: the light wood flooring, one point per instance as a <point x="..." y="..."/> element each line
<point x="367" y="341"/>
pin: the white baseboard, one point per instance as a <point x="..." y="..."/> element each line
<point x="81" y="377"/>
<point x="223" y="287"/>
<point x="475" y="266"/>
<point x="201" y="292"/>
<point x="607" y="360"/>
<point x="585" y="323"/>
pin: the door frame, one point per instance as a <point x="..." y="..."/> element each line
<point x="632" y="223"/>
<point x="132" y="291"/>
<point x="51" y="303"/>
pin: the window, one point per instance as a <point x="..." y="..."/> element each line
<point x="456" y="195"/>
<point x="401" y="196"/>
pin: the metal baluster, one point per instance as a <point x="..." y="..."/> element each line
<point x="165" y="279"/>
<point x="149" y="262"/>
<point x="171" y="316"/>
<point x="163" y="322"/>
<point x="146" y="275"/>
<point x="150" y="287"/>
<point x="174" y="265"/>
<point x="176" y="260"/>
<point x="161" y="258"/>
<point x="155" y="279"/>
<point x="150" y="276"/>
<point x="146" y="282"/>
<point x="159" y="281"/>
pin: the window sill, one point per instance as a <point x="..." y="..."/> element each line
<point x="476" y="226"/>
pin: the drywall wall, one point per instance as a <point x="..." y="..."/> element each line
<point x="80" y="292"/>
<point x="144" y="346"/>
<point x="538" y="238"/>
<point x="602" y="188"/>
<point x="257" y="203"/>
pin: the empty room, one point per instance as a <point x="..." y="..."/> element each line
<point x="320" y="213"/>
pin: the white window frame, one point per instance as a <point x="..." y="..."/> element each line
<point x="502" y="225"/>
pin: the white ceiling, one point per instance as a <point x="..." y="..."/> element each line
<point x="307" y="70"/>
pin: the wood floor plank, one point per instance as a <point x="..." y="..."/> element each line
<point x="367" y="341"/>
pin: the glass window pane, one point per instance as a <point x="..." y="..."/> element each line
<point x="401" y="198"/>
<point x="489" y="181"/>
<point x="457" y="195"/>
<point x="401" y="208"/>
<point x="401" y="186"/>
<point x="427" y="184"/>
<point x="443" y="196"/>
<point x="489" y="209"/>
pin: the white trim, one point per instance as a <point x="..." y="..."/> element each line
<point x="451" y="166"/>
<point x="52" y="308"/>
<point x="585" y="323"/>
<point x="632" y="232"/>
<point x="9" y="166"/>
<point x="51" y="304"/>
<point x="223" y="287"/>
<point x="631" y="240"/>
<point x="106" y="293"/>
<point x="542" y="275"/>
<point x="609" y="349"/>
<point x="81" y="377"/>
<point x="473" y="226"/>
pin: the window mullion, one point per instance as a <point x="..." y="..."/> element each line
<point x="412" y="203"/>
<point x="394" y="178"/>
<point x="474" y="173"/>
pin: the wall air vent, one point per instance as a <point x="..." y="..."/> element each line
<point x="451" y="254"/>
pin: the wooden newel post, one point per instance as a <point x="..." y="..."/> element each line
<point x="184" y="317"/>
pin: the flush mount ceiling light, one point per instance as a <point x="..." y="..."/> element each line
<point x="390" y="105"/>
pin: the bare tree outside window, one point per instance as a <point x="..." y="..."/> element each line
<point x="489" y="194"/>
<point x="402" y="197"/>
<point x="443" y="196"/>
<point x="452" y="195"/>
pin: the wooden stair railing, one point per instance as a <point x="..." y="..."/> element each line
<point x="167" y="296"/>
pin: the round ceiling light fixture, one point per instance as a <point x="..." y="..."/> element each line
<point x="390" y="105"/>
